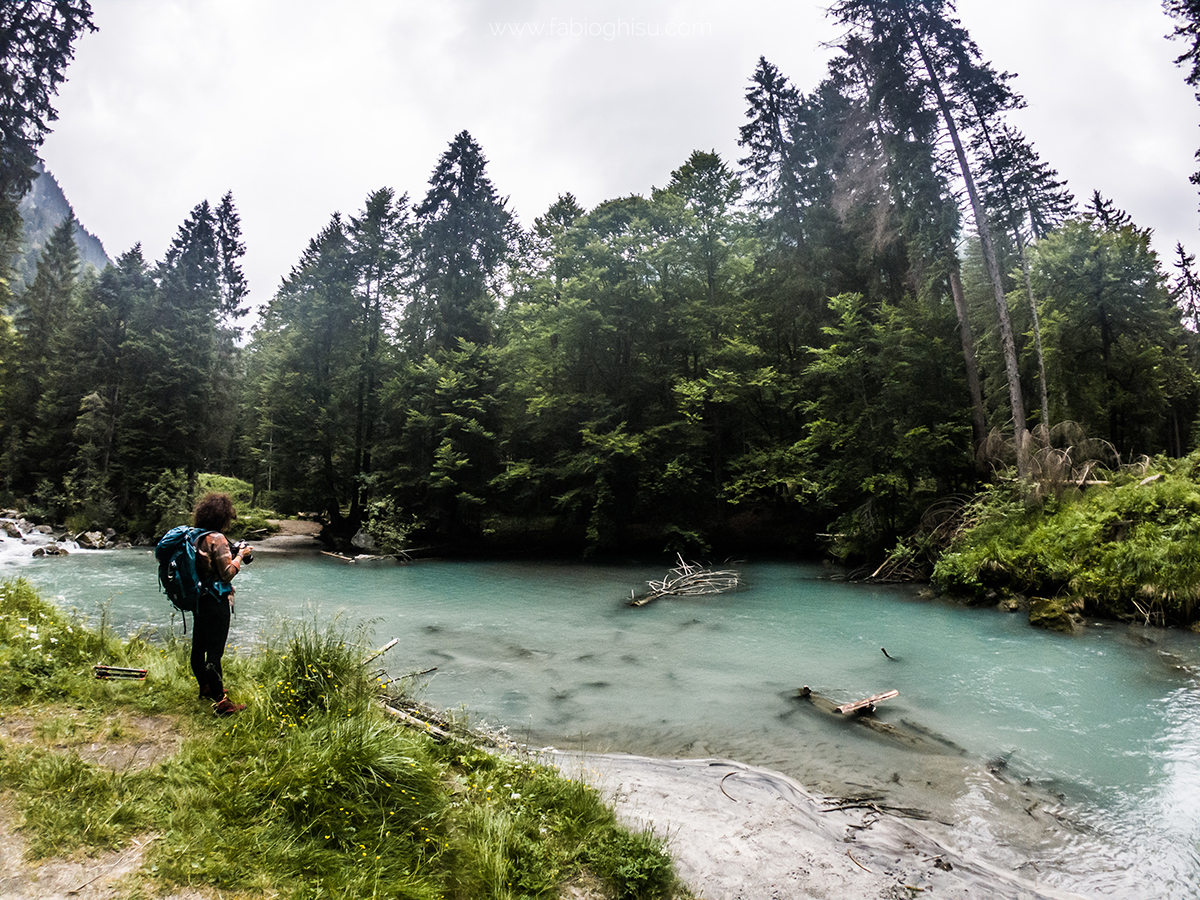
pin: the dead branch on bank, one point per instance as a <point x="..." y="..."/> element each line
<point x="872" y="804"/>
<point x="689" y="580"/>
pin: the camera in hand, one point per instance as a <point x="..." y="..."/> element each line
<point x="247" y="557"/>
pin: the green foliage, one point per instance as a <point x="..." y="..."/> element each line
<point x="1127" y="549"/>
<point x="637" y="864"/>
<point x="389" y="525"/>
<point x="309" y="792"/>
<point x="250" y="519"/>
<point x="239" y="491"/>
<point x="879" y="448"/>
<point x="528" y="829"/>
<point x="39" y="44"/>
<point x="311" y="672"/>
<point x="97" y="808"/>
<point x="171" y="499"/>
<point x="667" y="370"/>
<point x="1113" y="333"/>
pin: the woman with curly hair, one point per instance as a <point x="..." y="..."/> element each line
<point x="216" y="564"/>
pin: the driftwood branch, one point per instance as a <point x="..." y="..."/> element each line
<point x="382" y="650"/>
<point x="420" y="724"/>
<point x="689" y="580"/>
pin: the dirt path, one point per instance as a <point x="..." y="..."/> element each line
<point x="145" y="741"/>
<point x="293" y="536"/>
<point x="292" y="527"/>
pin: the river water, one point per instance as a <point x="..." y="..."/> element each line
<point x="1074" y="760"/>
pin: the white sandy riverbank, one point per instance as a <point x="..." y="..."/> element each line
<point x="739" y="832"/>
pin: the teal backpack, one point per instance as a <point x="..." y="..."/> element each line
<point x="177" y="576"/>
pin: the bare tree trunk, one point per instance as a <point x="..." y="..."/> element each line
<point x="1037" y="331"/>
<point x="978" y="413"/>
<point x="1007" y="343"/>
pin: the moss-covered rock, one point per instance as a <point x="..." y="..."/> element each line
<point x="1055" y="614"/>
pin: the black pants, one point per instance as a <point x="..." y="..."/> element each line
<point x="210" y="631"/>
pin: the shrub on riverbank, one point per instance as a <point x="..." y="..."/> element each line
<point x="1128" y="548"/>
<point x="311" y="791"/>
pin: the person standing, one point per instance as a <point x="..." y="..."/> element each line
<point x="216" y="563"/>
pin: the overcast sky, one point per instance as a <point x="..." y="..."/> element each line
<point x="303" y="107"/>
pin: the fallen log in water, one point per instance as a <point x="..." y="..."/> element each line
<point x="867" y="704"/>
<point x="689" y="580"/>
<point x="907" y="734"/>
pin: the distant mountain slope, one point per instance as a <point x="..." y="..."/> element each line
<point x="43" y="208"/>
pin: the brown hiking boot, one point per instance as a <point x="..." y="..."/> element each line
<point x="226" y="707"/>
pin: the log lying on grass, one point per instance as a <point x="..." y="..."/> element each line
<point x="420" y="724"/>
<point x="689" y="580"/>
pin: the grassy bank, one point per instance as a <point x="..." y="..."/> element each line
<point x="311" y="792"/>
<point x="1126" y="547"/>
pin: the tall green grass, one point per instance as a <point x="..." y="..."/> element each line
<point x="1126" y="549"/>
<point x="311" y="792"/>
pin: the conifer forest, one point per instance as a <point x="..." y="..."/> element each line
<point x="887" y="302"/>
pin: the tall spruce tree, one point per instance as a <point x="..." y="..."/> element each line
<point x="462" y="239"/>
<point x="806" y="254"/>
<point x="889" y="126"/>
<point x="772" y="103"/>
<point x="44" y="313"/>
<point x="379" y="254"/>
<point x="1114" y="334"/>
<point x="1186" y="287"/>
<point x="939" y="53"/>
<point x="1026" y="199"/>
<point x="177" y="353"/>
<point x="230" y="250"/>
<point x="305" y="361"/>
<point x="108" y="309"/>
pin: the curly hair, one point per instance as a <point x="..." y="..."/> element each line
<point x="214" y="512"/>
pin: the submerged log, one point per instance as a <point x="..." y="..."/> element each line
<point x="907" y="734"/>
<point x="689" y="580"/>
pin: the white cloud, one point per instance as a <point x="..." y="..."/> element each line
<point x="302" y="107"/>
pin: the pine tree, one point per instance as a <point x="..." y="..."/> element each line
<point x="1114" y="333"/>
<point x="891" y="133"/>
<point x="304" y="363"/>
<point x="178" y="353"/>
<point x="108" y="308"/>
<point x="37" y="40"/>
<point x="1025" y="197"/>
<point x="232" y="281"/>
<point x="1186" y="288"/>
<point x="772" y="104"/>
